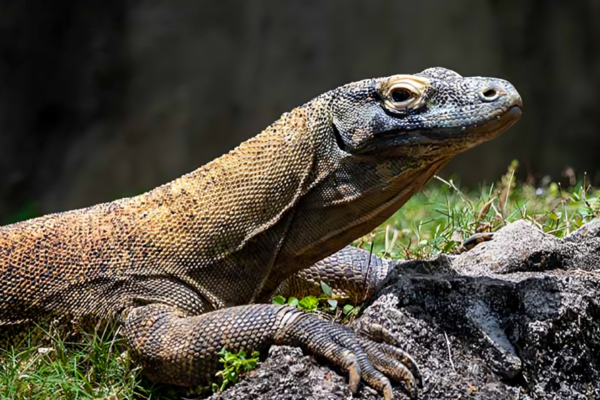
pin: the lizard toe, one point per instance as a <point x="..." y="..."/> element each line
<point x="388" y="361"/>
<point x="390" y="345"/>
<point x="362" y="358"/>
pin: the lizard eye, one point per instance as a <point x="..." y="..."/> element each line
<point x="400" y="95"/>
<point x="403" y="92"/>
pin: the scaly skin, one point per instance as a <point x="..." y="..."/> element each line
<point x="352" y="274"/>
<point x="175" y="262"/>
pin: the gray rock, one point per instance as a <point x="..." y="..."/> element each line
<point x="515" y="318"/>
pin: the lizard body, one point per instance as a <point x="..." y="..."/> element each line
<point x="177" y="260"/>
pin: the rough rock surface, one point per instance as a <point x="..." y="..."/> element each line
<point x="515" y="318"/>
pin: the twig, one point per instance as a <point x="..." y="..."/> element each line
<point x="553" y="231"/>
<point x="563" y="202"/>
<point x="449" y="352"/>
<point x="370" y="256"/>
<point x="387" y="233"/>
<point x="453" y="186"/>
<point x="499" y="214"/>
<point x="112" y="343"/>
<point x="504" y="206"/>
<point x="389" y="245"/>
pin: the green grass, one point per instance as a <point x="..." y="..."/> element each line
<point x="62" y="366"/>
<point x="433" y="221"/>
<point x="440" y="217"/>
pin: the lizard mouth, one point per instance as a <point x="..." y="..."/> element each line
<point x="449" y="139"/>
<point x="485" y="130"/>
<point x="496" y="125"/>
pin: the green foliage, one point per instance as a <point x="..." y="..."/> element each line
<point x="442" y="215"/>
<point x="328" y="300"/>
<point x="233" y="365"/>
<point x="95" y="366"/>
<point x="332" y="305"/>
<point x="348" y="308"/>
<point x="308" y="304"/>
<point x="326" y="289"/>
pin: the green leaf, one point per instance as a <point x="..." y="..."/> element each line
<point x="279" y="300"/>
<point x="251" y="364"/>
<point x="347" y="308"/>
<point x="553" y="216"/>
<point x="309" y="303"/>
<point x="326" y="289"/>
<point x="292" y="301"/>
<point x="230" y="376"/>
<point x="233" y="365"/>
<point x="449" y="246"/>
<point x="332" y="304"/>
<point x="230" y="357"/>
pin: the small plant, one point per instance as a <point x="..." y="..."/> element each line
<point x="327" y="301"/>
<point x="308" y="304"/>
<point x="328" y="297"/>
<point x="349" y="310"/>
<point x="280" y="300"/>
<point x="292" y="301"/>
<point x="233" y="365"/>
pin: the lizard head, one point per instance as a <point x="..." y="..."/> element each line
<point x="434" y="113"/>
<point x="372" y="145"/>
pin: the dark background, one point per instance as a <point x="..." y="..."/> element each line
<point x="101" y="99"/>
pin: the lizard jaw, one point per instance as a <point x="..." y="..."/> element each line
<point x="448" y="141"/>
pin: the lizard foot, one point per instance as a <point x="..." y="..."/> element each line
<point x="361" y="357"/>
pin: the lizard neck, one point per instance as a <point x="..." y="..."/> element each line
<point x="338" y="211"/>
<point x="221" y="228"/>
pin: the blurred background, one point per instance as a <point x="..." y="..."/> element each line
<point x="101" y="99"/>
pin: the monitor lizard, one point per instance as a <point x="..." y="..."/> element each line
<point x="187" y="265"/>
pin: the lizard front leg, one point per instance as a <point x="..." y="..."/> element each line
<point x="182" y="350"/>
<point x="353" y="274"/>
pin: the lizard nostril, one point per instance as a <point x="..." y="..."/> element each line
<point x="489" y="94"/>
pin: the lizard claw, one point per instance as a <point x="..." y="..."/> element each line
<point x="376" y="363"/>
<point x="354" y="372"/>
<point x="390" y="346"/>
